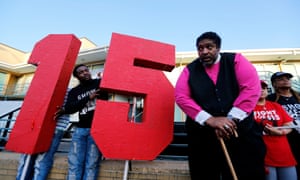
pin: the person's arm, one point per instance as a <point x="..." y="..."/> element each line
<point x="102" y="94"/>
<point x="288" y="120"/>
<point x="249" y="86"/>
<point x="61" y="109"/>
<point x="185" y="101"/>
<point x="271" y="130"/>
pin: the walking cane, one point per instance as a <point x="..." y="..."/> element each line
<point x="228" y="157"/>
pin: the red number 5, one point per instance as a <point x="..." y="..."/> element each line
<point x="134" y="67"/>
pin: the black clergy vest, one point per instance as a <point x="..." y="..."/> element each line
<point x="215" y="99"/>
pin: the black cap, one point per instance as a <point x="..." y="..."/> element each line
<point x="280" y="74"/>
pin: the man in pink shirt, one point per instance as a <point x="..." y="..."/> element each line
<point x="218" y="92"/>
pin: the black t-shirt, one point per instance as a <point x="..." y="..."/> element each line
<point x="290" y="104"/>
<point x="78" y="101"/>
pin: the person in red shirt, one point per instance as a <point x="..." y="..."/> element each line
<point x="289" y="99"/>
<point x="279" y="160"/>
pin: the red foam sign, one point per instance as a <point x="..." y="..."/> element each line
<point x="133" y="67"/>
<point x="55" y="57"/>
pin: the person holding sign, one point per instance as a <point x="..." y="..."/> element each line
<point x="84" y="156"/>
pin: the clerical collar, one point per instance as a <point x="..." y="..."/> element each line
<point x="218" y="58"/>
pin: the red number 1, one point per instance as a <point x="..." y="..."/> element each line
<point x="55" y="56"/>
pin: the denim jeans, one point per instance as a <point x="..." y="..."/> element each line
<point x="285" y="173"/>
<point x="84" y="157"/>
<point x="38" y="166"/>
<point x="25" y="168"/>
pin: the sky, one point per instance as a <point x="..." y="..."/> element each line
<point x="242" y="24"/>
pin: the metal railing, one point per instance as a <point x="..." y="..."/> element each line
<point x="176" y="150"/>
<point x="6" y="124"/>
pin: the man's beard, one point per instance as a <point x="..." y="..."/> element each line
<point x="85" y="81"/>
<point x="208" y="64"/>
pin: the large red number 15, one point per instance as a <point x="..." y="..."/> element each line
<point x="134" y="67"/>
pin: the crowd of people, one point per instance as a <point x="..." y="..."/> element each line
<point x="224" y="101"/>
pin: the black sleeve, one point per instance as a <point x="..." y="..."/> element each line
<point x="73" y="104"/>
<point x="103" y="95"/>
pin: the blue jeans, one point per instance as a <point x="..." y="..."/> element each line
<point x="281" y="173"/>
<point x="38" y="166"/>
<point x="84" y="157"/>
